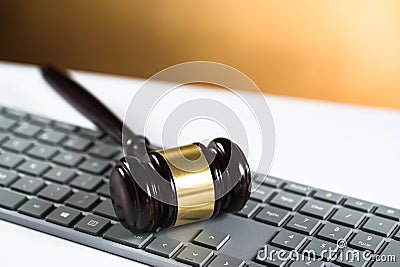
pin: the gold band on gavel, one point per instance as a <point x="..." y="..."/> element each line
<point x="193" y="183"/>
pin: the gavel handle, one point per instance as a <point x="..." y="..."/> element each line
<point x="87" y="104"/>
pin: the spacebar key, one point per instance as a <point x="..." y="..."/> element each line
<point x="11" y="200"/>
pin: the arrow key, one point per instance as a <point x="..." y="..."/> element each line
<point x="164" y="246"/>
<point x="211" y="239"/>
<point x="194" y="255"/>
<point x="226" y="260"/>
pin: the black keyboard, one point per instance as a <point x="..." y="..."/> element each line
<point x="54" y="177"/>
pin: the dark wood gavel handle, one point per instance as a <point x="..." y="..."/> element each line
<point x="84" y="102"/>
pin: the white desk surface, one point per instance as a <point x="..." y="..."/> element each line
<point x="347" y="149"/>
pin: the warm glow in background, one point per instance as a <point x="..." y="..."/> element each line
<point x="338" y="50"/>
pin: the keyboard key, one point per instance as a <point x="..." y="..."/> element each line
<point x="317" y="209"/>
<point x="3" y="137"/>
<point x="86" y="182"/>
<point x="33" y="167"/>
<point x="28" y="185"/>
<point x="164" y="246"/>
<point x="249" y="209"/>
<point x="379" y="226"/>
<point x="268" y="180"/>
<point x="51" y="137"/>
<point x="298" y="188"/>
<point x="121" y="235"/>
<point x="320" y="249"/>
<point x="303" y="224"/>
<point x="6" y="123"/>
<point x="334" y="232"/>
<point x="36" y="208"/>
<point x="288" y="240"/>
<point x="60" y="175"/>
<point x="76" y="143"/>
<point x="328" y="196"/>
<point x="90" y="134"/>
<point x="27" y="130"/>
<point x="194" y="255"/>
<point x="106" y="209"/>
<point x="14" y="114"/>
<point x="397" y="236"/>
<point x="103" y="151"/>
<point x="69" y="159"/>
<point x="391" y="249"/>
<point x="37" y="120"/>
<point x="10" y="160"/>
<point x="95" y="166"/>
<point x="7" y="177"/>
<point x="307" y="262"/>
<point x="83" y="201"/>
<point x="92" y="224"/>
<point x="17" y="145"/>
<point x="11" y="200"/>
<point x="389" y="213"/>
<point x="260" y="193"/>
<point x="272" y="215"/>
<point x="287" y="200"/>
<point x="359" y="204"/>
<point x="56" y="193"/>
<point x="104" y="190"/>
<point x="42" y="152"/>
<point x="64" y="127"/>
<point x="111" y="141"/>
<point x="366" y="241"/>
<point x="64" y="216"/>
<point x="226" y="260"/>
<point x="272" y="256"/>
<point x="351" y="258"/>
<point x="211" y="239"/>
<point x="348" y="217"/>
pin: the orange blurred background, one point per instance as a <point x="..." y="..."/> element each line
<point x="338" y="50"/>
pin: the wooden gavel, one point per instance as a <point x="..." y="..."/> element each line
<point x="197" y="182"/>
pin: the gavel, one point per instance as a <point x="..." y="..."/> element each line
<point x="154" y="189"/>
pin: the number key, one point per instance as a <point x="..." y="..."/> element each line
<point x="288" y="240"/>
<point x="334" y="232"/>
<point x="303" y="224"/>
<point x="320" y="248"/>
<point x="365" y="241"/>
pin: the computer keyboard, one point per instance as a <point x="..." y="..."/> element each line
<point x="54" y="177"/>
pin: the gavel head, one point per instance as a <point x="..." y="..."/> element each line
<point x="180" y="185"/>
